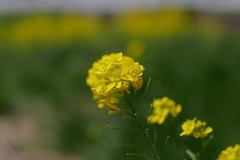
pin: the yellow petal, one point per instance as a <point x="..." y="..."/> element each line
<point x="110" y="86"/>
<point x="196" y="134"/>
<point x="119" y="84"/>
<point x="208" y="130"/>
<point x="183" y="133"/>
<point x="161" y="119"/>
<point x="98" y="88"/>
<point x="153" y="118"/>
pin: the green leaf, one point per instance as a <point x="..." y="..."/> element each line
<point x="190" y="154"/>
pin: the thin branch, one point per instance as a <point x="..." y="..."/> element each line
<point x="149" y="80"/>
<point x="165" y="153"/>
<point x="140" y="155"/>
<point x="155" y="134"/>
<point x="126" y="115"/>
<point x="143" y="130"/>
<point x="121" y="128"/>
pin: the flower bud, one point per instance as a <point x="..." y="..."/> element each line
<point x="113" y="109"/>
<point x="137" y="84"/>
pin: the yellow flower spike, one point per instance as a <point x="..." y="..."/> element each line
<point x="231" y="153"/>
<point x="113" y="73"/>
<point x="188" y="127"/>
<point x="198" y="129"/>
<point x="161" y="108"/>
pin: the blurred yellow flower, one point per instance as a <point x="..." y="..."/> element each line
<point x="113" y="73"/>
<point x="175" y="110"/>
<point x="42" y="28"/>
<point x="188" y="127"/>
<point x="198" y="129"/>
<point x="135" y="48"/>
<point x="158" y="23"/>
<point x="201" y="130"/>
<point x="231" y="153"/>
<point x="161" y="109"/>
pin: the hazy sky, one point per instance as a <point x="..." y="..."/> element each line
<point x="114" y="5"/>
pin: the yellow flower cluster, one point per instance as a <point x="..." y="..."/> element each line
<point x="111" y="74"/>
<point x="114" y="73"/>
<point x="161" y="109"/>
<point x="231" y="153"/>
<point x="197" y="129"/>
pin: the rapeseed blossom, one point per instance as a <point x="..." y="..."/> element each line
<point x="113" y="74"/>
<point x="231" y="153"/>
<point x="201" y="130"/>
<point x="161" y="109"/>
<point x="188" y="127"/>
<point x="197" y="129"/>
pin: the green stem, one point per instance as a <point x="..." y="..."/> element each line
<point x="202" y="148"/>
<point x="155" y="135"/>
<point x="165" y="153"/>
<point x="175" y="137"/>
<point x="143" y="130"/>
<point x="121" y="128"/>
<point x="149" y="80"/>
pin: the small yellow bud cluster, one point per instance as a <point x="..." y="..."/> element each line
<point x="197" y="129"/>
<point x="161" y="108"/>
<point x="111" y="103"/>
<point x="137" y="84"/>
<point x="112" y="74"/>
<point x="231" y="153"/>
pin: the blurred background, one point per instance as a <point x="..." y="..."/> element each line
<point x="190" y="49"/>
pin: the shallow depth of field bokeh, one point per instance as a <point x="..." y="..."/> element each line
<point x="47" y="110"/>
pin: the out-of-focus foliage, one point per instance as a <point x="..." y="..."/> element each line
<point x="191" y="58"/>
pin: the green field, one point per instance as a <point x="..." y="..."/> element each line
<point x="192" y="58"/>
